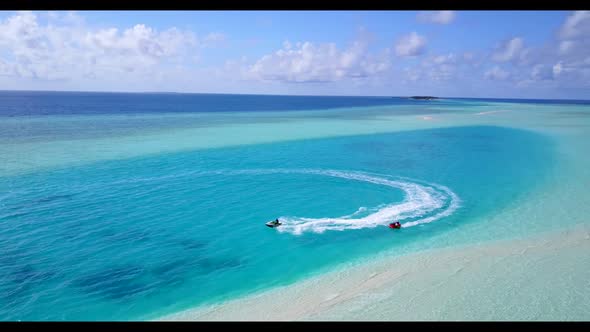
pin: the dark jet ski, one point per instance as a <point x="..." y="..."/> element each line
<point x="274" y="223"/>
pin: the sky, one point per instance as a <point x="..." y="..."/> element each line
<point x="478" y="54"/>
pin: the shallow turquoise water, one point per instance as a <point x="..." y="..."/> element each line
<point x="142" y="237"/>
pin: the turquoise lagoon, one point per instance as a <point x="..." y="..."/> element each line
<point x="131" y="213"/>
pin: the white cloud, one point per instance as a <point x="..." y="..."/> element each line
<point x="566" y="46"/>
<point x="576" y="25"/>
<point x="512" y="49"/>
<point x="559" y="62"/>
<point x="450" y="58"/>
<point x="441" y="67"/>
<point x="568" y="59"/>
<point x="444" y="72"/>
<point x="139" y="41"/>
<point x="410" y="45"/>
<point x="496" y="74"/>
<point x="412" y="74"/>
<point x="58" y="49"/>
<point x="6" y="69"/>
<point x="557" y="69"/>
<point x="437" y="17"/>
<point x="574" y="35"/>
<point x="542" y="72"/>
<point x="66" y="49"/>
<point x="562" y="62"/>
<point x="309" y="62"/>
<point x="451" y="66"/>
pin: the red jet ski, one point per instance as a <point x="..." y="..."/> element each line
<point x="395" y="225"/>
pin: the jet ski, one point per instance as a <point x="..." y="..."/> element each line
<point x="395" y="225"/>
<point x="274" y="223"/>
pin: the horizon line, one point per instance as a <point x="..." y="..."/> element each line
<point x="282" y="95"/>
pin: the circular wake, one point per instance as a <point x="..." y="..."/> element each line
<point x="423" y="203"/>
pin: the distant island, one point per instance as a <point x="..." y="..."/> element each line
<point x="423" y="97"/>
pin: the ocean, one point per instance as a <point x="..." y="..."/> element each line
<point x="117" y="206"/>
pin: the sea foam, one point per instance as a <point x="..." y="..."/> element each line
<point x="423" y="203"/>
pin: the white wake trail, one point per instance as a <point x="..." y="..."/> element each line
<point x="423" y="202"/>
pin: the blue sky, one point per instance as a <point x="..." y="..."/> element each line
<point x="511" y="54"/>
